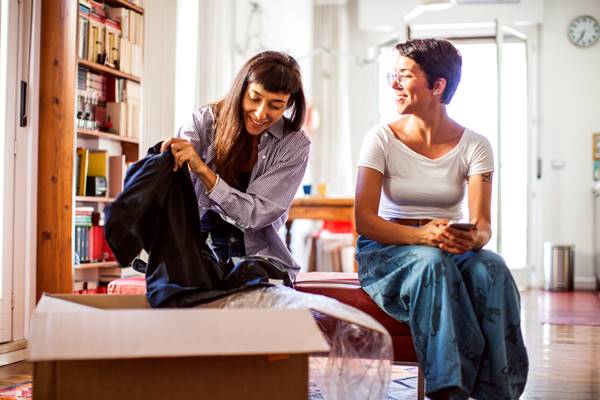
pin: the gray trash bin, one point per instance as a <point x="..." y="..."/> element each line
<point x="559" y="266"/>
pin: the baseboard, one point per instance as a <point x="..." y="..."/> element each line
<point x="585" y="283"/>
<point x="522" y="277"/>
<point x="13" y="357"/>
<point x="13" y="346"/>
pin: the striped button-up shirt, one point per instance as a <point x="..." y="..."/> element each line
<point x="263" y="208"/>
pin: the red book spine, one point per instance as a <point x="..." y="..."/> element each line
<point x="107" y="253"/>
<point x="96" y="242"/>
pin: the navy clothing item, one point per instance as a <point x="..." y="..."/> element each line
<point x="227" y="239"/>
<point x="158" y="211"/>
<point x="463" y="311"/>
<point x="220" y="230"/>
<point x="228" y="247"/>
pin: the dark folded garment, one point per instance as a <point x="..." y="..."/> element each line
<point x="158" y="212"/>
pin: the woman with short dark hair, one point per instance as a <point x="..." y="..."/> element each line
<point x="247" y="159"/>
<point x="460" y="301"/>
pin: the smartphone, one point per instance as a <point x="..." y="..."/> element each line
<point x="463" y="226"/>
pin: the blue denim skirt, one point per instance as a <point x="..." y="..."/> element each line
<point x="463" y="311"/>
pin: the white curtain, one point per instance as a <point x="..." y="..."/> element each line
<point x="215" y="50"/>
<point x="331" y="161"/>
<point x="204" y="54"/>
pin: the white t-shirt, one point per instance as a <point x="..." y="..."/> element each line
<point x="415" y="186"/>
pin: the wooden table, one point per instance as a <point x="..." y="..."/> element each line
<point x="320" y="208"/>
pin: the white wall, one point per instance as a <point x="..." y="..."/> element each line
<point x="570" y="114"/>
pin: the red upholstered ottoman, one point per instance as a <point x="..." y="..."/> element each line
<point x="130" y="285"/>
<point x="345" y="287"/>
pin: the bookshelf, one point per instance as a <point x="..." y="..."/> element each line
<point x="108" y="70"/>
<point x="60" y="134"/>
<point x="82" y="132"/>
<point x="125" y="4"/>
<point x="107" y="119"/>
<point x="94" y="199"/>
<point x="96" y="265"/>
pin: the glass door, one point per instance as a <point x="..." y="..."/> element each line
<point x="512" y="175"/>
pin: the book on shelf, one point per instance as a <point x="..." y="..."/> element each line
<point x="133" y="122"/>
<point x="84" y="6"/>
<point x="82" y="40"/>
<point x="132" y="96"/>
<point x="98" y="163"/>
<point x="96" y="38"/>
<point x="116" y="174"/>
<point x="82" y="170"/>
<point x="116" y="112"/>
<point x="112" y="43"/>
<point x="97" y="8"/>
<point x="78" y="285"/>
<point x="96" y="235"/>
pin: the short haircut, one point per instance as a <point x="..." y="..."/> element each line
<point x="438" y="59"/>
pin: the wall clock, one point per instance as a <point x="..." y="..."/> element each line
<point x="584" y="31"/>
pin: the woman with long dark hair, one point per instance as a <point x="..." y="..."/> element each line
<point x="247" y="159"/>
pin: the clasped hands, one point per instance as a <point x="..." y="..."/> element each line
<point x="438" y="233"/>
<point x="183" y="151"/>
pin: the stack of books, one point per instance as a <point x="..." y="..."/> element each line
<point x="90" y="244"/>
<point x="111" y="36"/>
<point x="83" y="223"/>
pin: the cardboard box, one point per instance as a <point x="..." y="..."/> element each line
<point x="115" y="347"/>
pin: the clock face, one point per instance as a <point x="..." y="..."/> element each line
<point x="584" y="31"/>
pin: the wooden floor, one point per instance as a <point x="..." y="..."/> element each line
<point x="564" y="359"/>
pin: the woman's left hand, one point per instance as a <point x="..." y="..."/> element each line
<point x="183" y="151"/>
<point x="458" y="241"/>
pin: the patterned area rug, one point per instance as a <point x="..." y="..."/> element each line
<point x="403" y="385"/>
<point x="20" y="391"/>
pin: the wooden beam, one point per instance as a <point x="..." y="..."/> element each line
<point x="54" y="272"/>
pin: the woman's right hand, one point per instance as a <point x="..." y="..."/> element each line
<point x="183" y="151"/>
<point x="432" y="233"/>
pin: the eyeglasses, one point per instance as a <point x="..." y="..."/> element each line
<point x="400" y="79"/>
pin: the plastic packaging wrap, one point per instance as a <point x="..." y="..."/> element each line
<point x="358" y="364"/>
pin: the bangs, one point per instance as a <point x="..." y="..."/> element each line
<point x="276" y="79"/>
